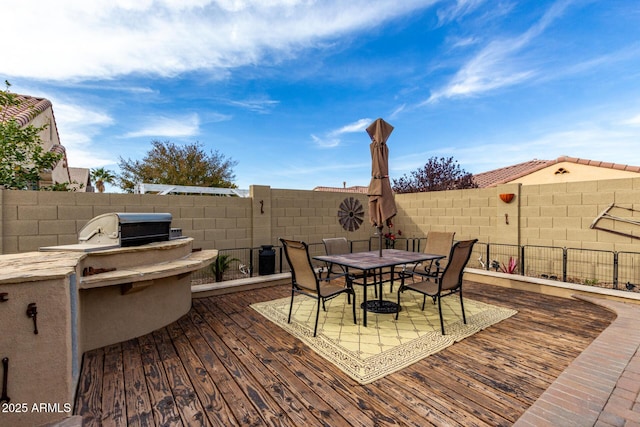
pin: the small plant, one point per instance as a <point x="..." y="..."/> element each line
<point x="390" y="237"/>
<point x="511" y="267"/>
<point x="221" y="265"/>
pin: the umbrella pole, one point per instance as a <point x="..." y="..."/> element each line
<point x="380" y="240"/>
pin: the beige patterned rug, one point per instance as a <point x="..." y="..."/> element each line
<point x="385" y="345"/>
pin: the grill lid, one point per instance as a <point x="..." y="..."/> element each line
<point x="126" y="229"/>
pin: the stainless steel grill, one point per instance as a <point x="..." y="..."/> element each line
<point x="128" y="229"/>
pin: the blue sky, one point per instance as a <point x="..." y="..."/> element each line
<point x="287" y="87"/>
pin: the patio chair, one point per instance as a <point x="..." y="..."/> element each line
<point x="438" y="243"/>
<point x="339" y="246"/>
<point x="448" y="283"/>
<point x="305" y="280"/>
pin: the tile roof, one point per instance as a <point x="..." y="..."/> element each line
<point x="29" y="108"/>
<point x="510" y="173"/>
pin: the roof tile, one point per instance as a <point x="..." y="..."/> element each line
<point x="509" y="173"/>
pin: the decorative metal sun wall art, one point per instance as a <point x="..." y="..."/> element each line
<point x="350" y="214"/>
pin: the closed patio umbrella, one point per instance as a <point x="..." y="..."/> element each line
<point x="382" y="205"/>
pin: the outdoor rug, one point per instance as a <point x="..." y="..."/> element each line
<point x="385" y="345"/>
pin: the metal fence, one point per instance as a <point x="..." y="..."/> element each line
<point x="606" y="269"/>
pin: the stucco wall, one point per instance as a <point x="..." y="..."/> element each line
<point x="547" y="214"/>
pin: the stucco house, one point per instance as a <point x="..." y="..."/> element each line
<point x="39" y="112"/>
<point x="562" y="169"/>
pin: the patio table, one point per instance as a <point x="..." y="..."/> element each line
<point x="370" y="262"/>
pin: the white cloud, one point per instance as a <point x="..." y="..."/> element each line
<point x="458" y="10"/>
<point x="357" y="126"/>
<point x="256" y="105"/>
<point x="169" y="127"/>
<point x="77" y="125"/>
<point x="632" y="121"/>
<point x="325" y="142"/>
<point x="103" y="39"/>
<point x="332" y="138"/>
<point x="497" y="65"/>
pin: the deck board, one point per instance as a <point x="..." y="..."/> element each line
<point x="223" y="364"/>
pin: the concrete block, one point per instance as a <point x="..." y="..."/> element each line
<point x="29" y="212"/>
<point x="615" y="184"/>
<point x="567" y="199"/>
<point x="603" y="198"/>
<point x="237" y="212"/>
<point x="33" y="243"/>
<point x="553" y="211"/>
<point x="204" y="223"/>
<point x="57" y="198"/>
<point x="10" y="244"/>
<point x="103" y="209"/>
<point x="75" y="212"/>
<point x="20" y="198"/>
<point x="236" y="233"/>
<point x="20" y="228"/>
<point x="225" y="223"/>
<point x="155" y="200"/>
<point x="128" y="200"/>
<point x="192" y="212"/>
<point x="93" y="199"/>
<point x="9" y="213"/>
<point x="47" y="227"/>
<point x="214" y="211"/>
<point x="181" y="201"/>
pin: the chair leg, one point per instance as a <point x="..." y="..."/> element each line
<point x="315" y="329"/>
<point x="355" y="321"/>
<point x="291" y="305"/>
<point x="375" y="280"/>
<point x="464" y="318"/>
<point x="424" y="300"/>
<point x="440" y="311"/>
<point x="323" y="307"/>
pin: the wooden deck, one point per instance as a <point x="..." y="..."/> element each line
<point x="223" y="364"/>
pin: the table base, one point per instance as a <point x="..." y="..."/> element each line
<point x="381" y="306"/>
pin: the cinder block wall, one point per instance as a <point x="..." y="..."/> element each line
<point x="313" y="215"/>
<point x="546" y="215"/>
<point x="32" y="219"/>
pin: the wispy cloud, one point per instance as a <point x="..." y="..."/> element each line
<point x="256" y="105"/>
<point x="169" y="37"/>
<point x="457" y="10"/>
<point x="77" y="125"/>
<point x="497" y="65"/>
<point x="332" y="138"/>
<point x="168" y="127"/>
<point x="632" y="121"/>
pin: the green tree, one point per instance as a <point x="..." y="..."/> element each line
<point x="436" y="175"/>
<point x="168" y="163"/>
<point x="22" y="157"/>
<point x="102" y="176"/>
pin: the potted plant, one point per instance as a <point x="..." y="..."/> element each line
<point x="220" y="265"/>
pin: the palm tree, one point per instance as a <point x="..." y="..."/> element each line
<point x="101" y="176"/>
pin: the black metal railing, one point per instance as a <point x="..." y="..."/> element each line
<point x="607" y="269"/>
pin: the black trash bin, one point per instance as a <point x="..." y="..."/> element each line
<point x="266" y="260"/>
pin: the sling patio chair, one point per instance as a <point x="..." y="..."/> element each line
<point x="339" y="246"/>
<point x="438" y="243"/>
<point x="448" y="283"/>
<point x="305" y="280"/>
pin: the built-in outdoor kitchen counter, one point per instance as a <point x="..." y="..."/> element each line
<point x="61" y="301"/>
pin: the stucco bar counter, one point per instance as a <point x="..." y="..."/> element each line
<point x="57" y="303"/>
